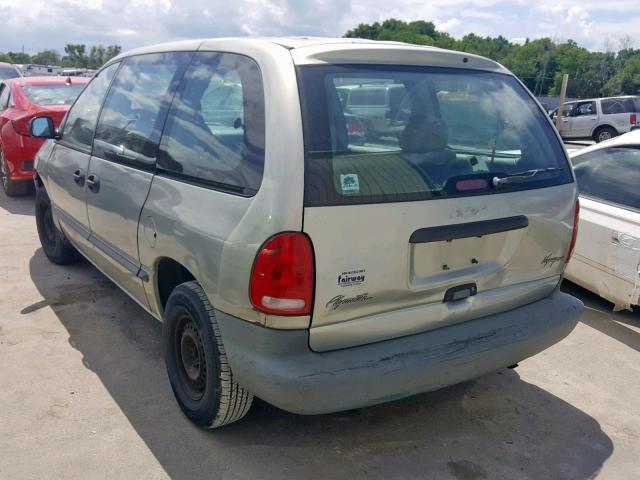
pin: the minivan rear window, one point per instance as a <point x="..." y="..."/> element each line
<point x="448" y="134"/>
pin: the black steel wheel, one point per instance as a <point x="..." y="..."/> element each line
<point x="197" y="365"/>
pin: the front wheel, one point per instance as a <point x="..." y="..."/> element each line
<point x="196" y="361"/>
<point x="55" y="245"/>
<point x="604" y="133"/>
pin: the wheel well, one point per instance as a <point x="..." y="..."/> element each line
<point x="600" y="127"/>
<point x="38" y="181"/>
<point x="169" y="275"/>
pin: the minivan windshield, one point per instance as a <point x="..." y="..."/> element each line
<point x="426" y="133"/>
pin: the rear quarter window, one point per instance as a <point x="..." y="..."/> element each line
<point x="215" y="131"/>
<point x="620" y="105"/>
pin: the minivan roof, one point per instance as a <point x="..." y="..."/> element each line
<point x="318" y="50"/>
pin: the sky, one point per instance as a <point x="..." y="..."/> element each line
<point x="42" y="24"/>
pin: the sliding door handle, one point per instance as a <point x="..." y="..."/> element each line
<point x="78" y="177"/>
<point x="93" y="183"/>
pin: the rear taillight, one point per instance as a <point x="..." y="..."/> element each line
<point x="355" y="128"/>
<point x="574" y="234"/>
<point x="633" y="119"/>
<point x="282" y="279"/>
<point x="21" y="125"/>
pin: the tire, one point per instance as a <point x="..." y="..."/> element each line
<point x="12" y="188"/>
<point x="196" y="362"/>
<point x="54" y="244"/>
<point x="604" y="133"/>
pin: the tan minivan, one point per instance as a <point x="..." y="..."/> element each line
<point x="216" y="183"/>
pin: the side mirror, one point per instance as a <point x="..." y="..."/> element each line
<point x="43" y="127"/>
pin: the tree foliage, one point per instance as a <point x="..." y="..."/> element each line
<point x="539" y="63"/>
<point x="75" y="56"/>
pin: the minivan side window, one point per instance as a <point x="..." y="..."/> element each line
<point x="611" y="175"/>
<point x="81" y="120"/>
<point x="131" y="121"/>
<point x="215" y="130"/>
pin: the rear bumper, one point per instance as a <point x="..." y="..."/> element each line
<point x="279" y="367"/>
<point x="20" y="169"/>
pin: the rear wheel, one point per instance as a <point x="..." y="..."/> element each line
<point x="54" y="244"/>
<point x="196" y="361"/>
<point x="604" y="133"/>
<point x="12" y="187"/>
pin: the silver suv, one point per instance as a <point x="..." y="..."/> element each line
<point x="286" y="261"/>
<point x="599" y="118"/>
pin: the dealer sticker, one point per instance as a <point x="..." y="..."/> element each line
<point x="353" y="277"/>
<point x="350" y="183"/>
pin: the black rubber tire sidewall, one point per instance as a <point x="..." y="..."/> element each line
<point x="611" y="131"/>
<point x="13" y="187"/>
<point x="203" y="411"/>
<point x="60" y="251"/>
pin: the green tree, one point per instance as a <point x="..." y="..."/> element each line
<point x="46" y="57"/>
<point x="96" y="56"/>
<point x="539" y="63"/>
<point x="76" y="55"/>
<point x="5" y="58"/>
<point x="19" y="57"/>
<point x="112" y="51"/>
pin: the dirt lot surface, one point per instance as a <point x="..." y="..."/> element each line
<point x="83" y="395"/>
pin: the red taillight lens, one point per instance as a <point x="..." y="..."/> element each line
<point x="574" y="234"/>
<point x="21" y="126"/>
<point x="283" y="275"/>
<point x="633" y="119"/>
<point x="355" y="128"/>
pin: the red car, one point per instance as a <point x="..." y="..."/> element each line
<point x="21" y="99"/>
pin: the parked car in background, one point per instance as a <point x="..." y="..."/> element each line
<point x="599" y="118"/>
<point x="377" y="106"/>
<point x="355" y="129"/>
<point x="288" y="257"/>
<point x="22" y="99"/>
<point x="607" y="254"/>
<point x="7" y="71"/>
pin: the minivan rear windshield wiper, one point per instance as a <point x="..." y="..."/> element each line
<point x="516" y="177"/>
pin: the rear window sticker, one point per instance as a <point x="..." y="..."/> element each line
<point x="350" y="183"/>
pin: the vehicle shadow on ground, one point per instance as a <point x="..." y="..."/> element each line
<point x="496" y="427"/>
<point x="604" y="319"/>
<point x="21" y="205"/>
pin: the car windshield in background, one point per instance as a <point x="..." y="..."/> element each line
<point x="48" y="95"/>
<point x="8" y="72"/>
<point x="423" y="132"/>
